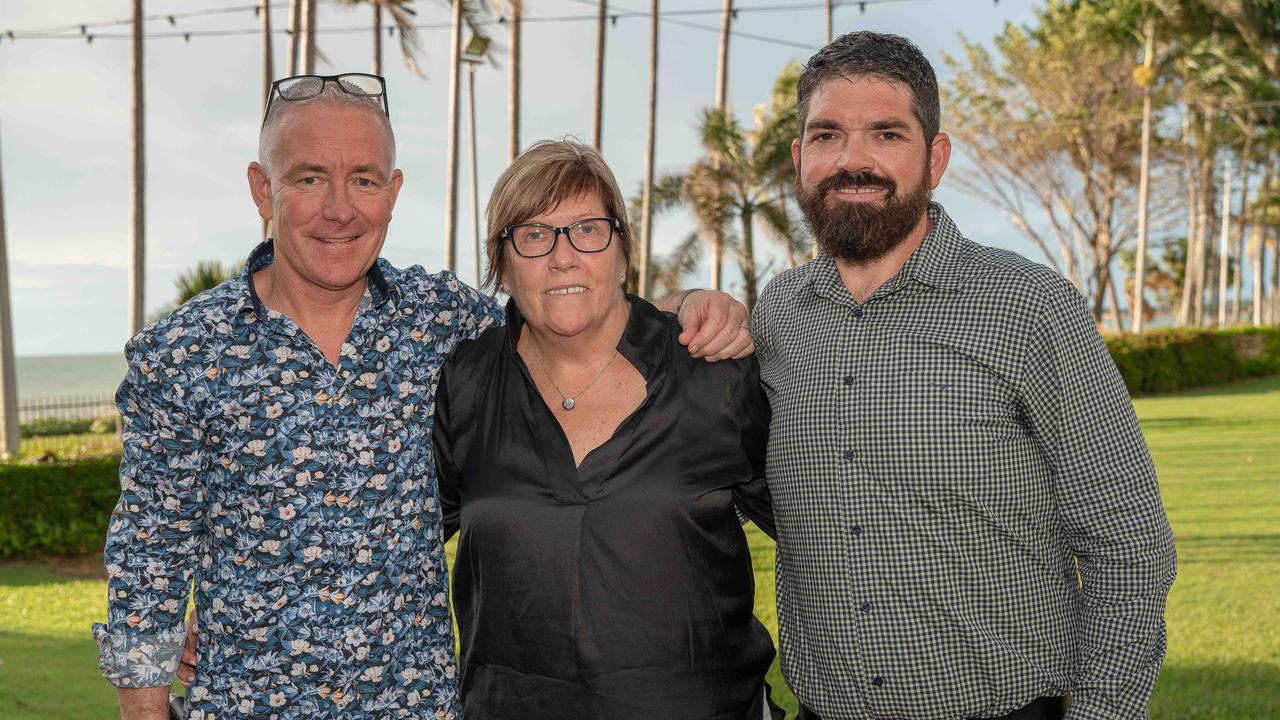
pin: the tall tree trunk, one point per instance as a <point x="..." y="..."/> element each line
<point x="513" y="80"/>
<point x="722" y="91"/>
<point x="646" y="201"/>
<point x="597" y="104"/>
<point x="1186" y="304"/>
<point x="295" y="33"/>
<point x="1208" y="198"/>
<point x="748" y="260"/>
<point x="475" y="182"/>
<point x="1246" y="162"/>
<point x="1257" y="241"/>
<point x="1275" y="276"/>
<point x="307" y="46"/>
<point x="10" y="437"/>
<point x="268" y="74"/>
<point x="829" y="21"/>
<point x="268" y="64"/>
<point x="1144" y="172"/>
<point x="377" y="39"/>
<point x="451" y="183"/>
<point x="1115" y="302"/>
<point x="1224" y="253"/>
<point x="137" y="199"/>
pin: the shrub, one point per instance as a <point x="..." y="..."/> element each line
<point x="1169" y="360"/>
<point x="56" y="508"/>
<point x="57" y="426"/>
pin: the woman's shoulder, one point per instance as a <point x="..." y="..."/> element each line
<point x="730" y="371"/>
<point x="474" y="355"/>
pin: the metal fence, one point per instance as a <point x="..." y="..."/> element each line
<point x="67" y="407"/>
<point x="38" y="414"/>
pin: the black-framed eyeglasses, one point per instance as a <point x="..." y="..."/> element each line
<point x="305" y="87"/>
<point x="589" y="235"/>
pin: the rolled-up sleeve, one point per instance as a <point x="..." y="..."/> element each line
<point x="155" y="535"/>
<point x="1110" y="506"/>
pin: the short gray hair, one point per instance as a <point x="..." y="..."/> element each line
<point x="879" y="55"/>
<point x="330" y="95"/>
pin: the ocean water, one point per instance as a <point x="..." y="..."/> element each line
<point x="50" y="376"/>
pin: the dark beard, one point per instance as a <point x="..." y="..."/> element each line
<point x="861" y="232"/>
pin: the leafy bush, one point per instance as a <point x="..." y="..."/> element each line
<point x="56" y="508"/>
<point x="48" y="427"/>
<point x="1169" y="360"/>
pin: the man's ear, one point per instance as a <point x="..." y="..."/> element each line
<point x="939" y="156"/>
<point x="795" y="154"/>
<point x="397" y="179"/>
<point x="260" y="189"/>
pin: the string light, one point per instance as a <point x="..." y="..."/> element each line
<point x="59" y="33"/>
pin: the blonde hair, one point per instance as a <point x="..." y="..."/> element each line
<point x="542" y="177"/>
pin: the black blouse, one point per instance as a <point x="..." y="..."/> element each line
<point x="623" y="588"/>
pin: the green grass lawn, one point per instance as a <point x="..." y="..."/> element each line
<point x="1218" y="456"/>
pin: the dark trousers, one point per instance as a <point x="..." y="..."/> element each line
<point x="1045" y="708"/>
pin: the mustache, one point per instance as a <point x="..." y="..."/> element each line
<point x="844" y="179"/>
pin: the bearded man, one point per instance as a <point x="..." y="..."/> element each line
<point x="969" y="524"/>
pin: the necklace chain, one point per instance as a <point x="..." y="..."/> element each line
<point x="567" y="402"/>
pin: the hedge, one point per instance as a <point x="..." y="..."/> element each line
<point x="62" y="508"/>
<point x="1167" y="360"/>
<point x="56" y="508"/>
<point x="49" y="427"/>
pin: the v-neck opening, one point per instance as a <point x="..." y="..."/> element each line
<point x="614" y="435"/>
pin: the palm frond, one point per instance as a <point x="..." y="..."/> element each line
<point x="669" y="270"/>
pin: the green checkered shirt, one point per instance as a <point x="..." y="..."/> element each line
<point x="967" y="514"/>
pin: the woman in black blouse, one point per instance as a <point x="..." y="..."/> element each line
<point x="593" y="468"/>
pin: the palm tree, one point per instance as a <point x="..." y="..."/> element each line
<point x="205" y="275"/>
<point x="722" y="90"/>
<point x="307" y="37"/>
<point x="646" y="205"/>
<point x="745" y="176"/>
<point x="451" y="181"/>
<point x="295" y="31"/>
<point x="597" y="106"/>
<point x="1147" y="79"/>
<point x="377" y="39"/>
<point x="515" y="8"/>
<point x="402" y="15"/>
<point x="268" y="66"/>
<point x="137" y="209"/>
<point x="268" y="74"/>
<point x="10" y="437"/>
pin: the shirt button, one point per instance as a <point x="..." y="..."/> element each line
<point x="865" y="607"/>
<point x="856" y="530"/>
<point x="877" y="681"/>
<point x="847" y="455"/>
<point x="857" y="312"/>
<point x="849" y="380"/>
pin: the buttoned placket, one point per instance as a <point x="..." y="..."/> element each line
<point x="859" y="331"/>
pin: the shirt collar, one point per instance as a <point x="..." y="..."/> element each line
<point x="936" y="263"/>
<point x="643" y="343"/>
<point x="265" y="254"/>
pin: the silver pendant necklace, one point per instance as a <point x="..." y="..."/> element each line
<point x="567" y="402"/>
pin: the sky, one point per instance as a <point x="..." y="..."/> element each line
<point x="65" y="128"/>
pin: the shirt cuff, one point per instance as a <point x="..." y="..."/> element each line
<point x="139" y="660"/>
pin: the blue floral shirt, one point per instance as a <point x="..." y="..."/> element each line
<point x="301" y="499"/>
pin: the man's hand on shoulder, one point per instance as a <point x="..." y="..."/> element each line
<point x="714" y="324"/>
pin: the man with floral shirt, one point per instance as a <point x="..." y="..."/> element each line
<point x="277" y="448"/>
